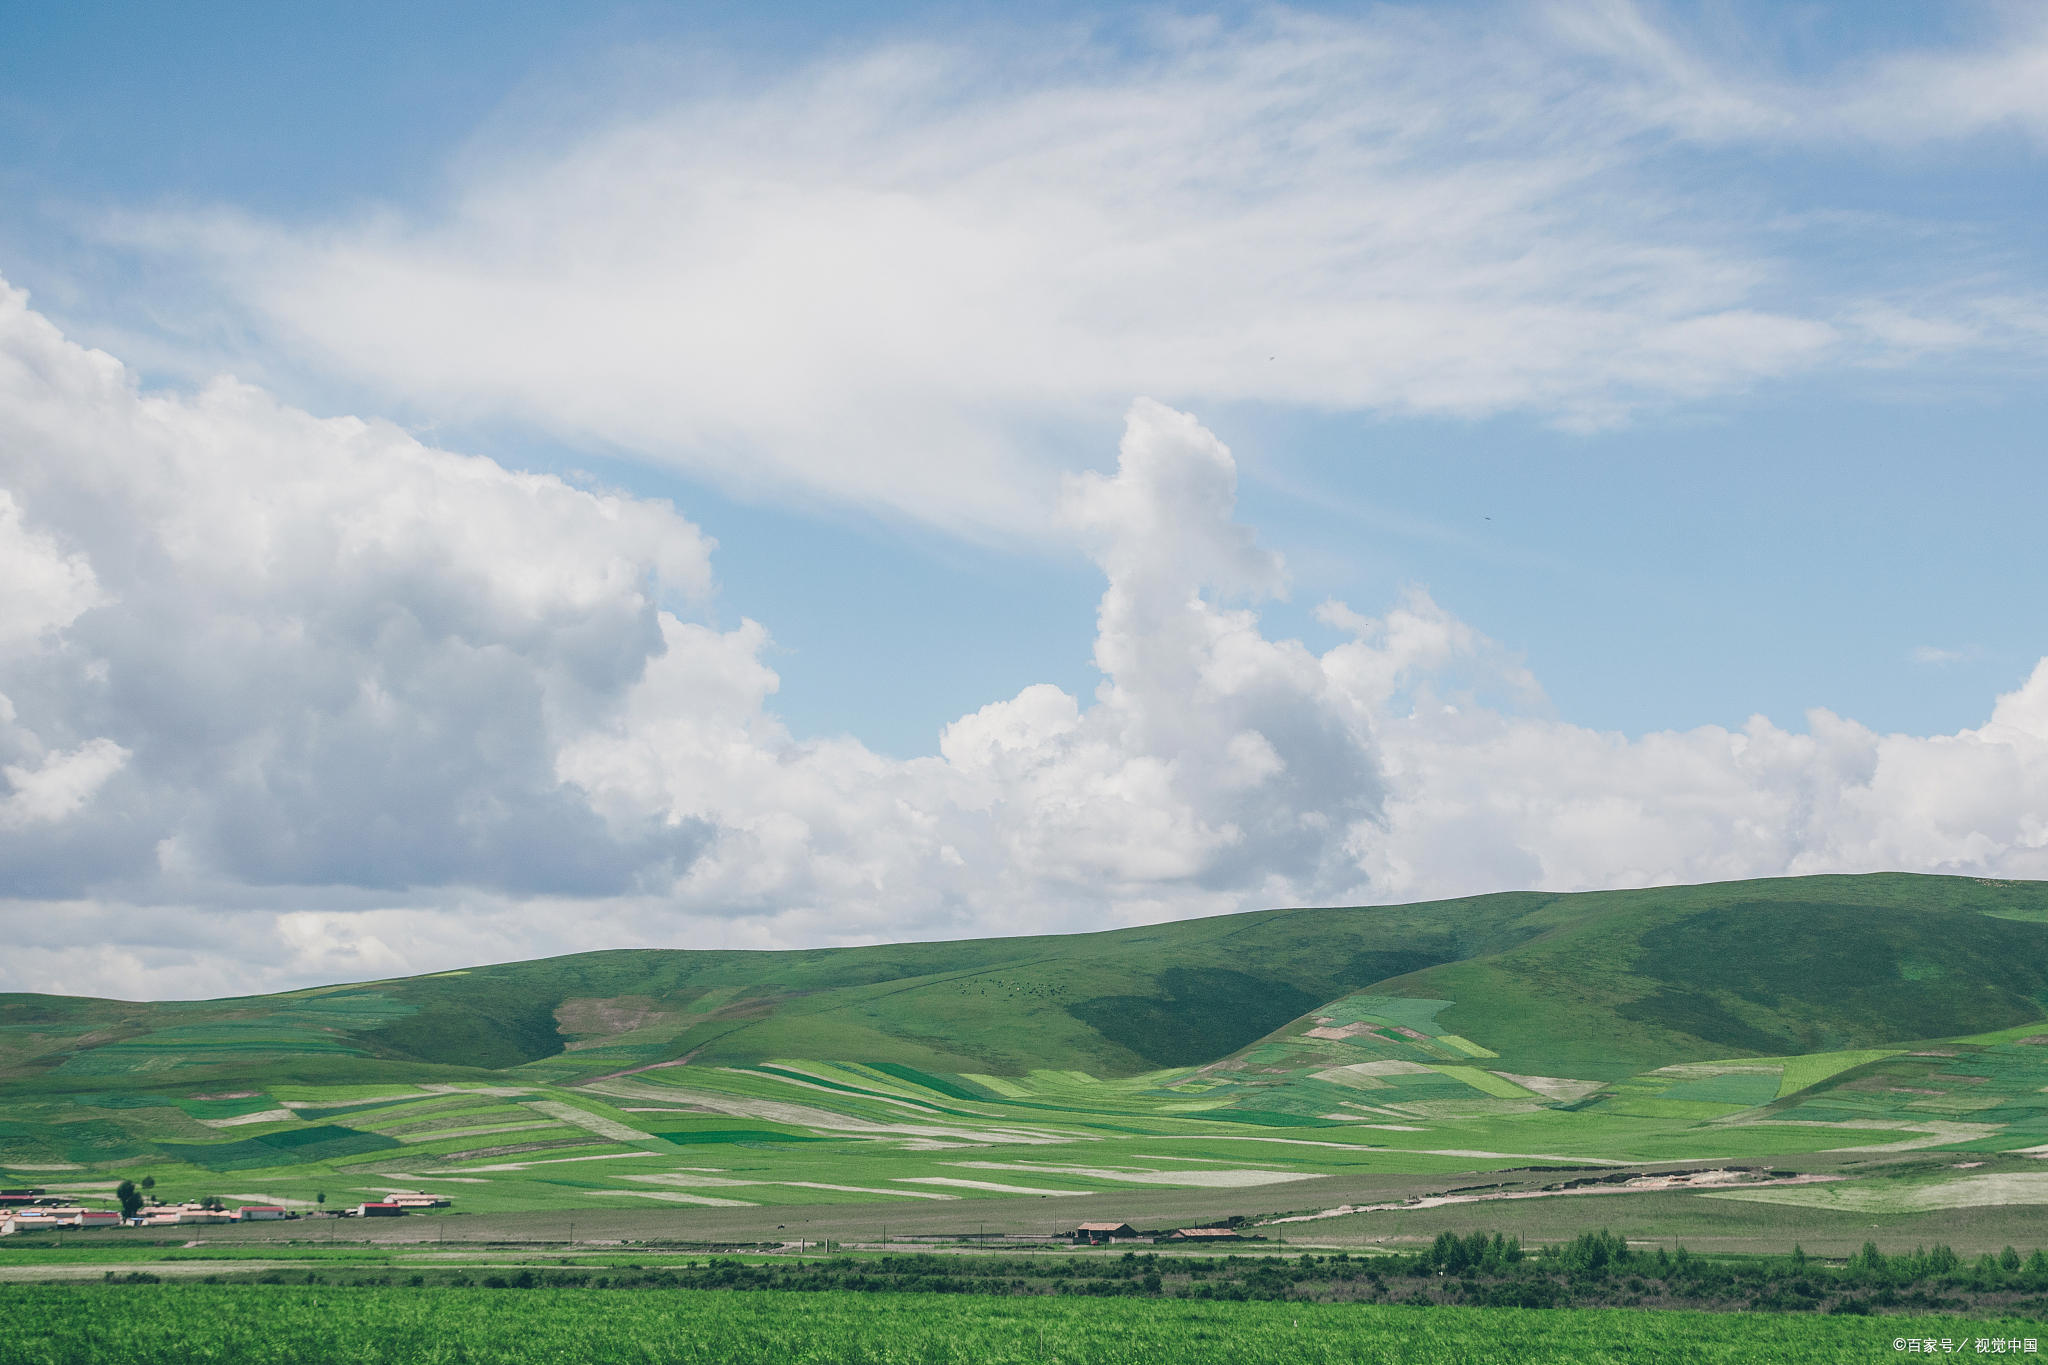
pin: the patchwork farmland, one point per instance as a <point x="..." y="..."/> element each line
<point x="1339" y="1077"/>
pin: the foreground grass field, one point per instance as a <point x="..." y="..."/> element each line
<point x="287" y="1325"/>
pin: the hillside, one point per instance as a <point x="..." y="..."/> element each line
<point x="1597" y="985"/>
<point x="1793" y="1020"/>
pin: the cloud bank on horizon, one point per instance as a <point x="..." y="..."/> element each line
<point x="287" y="699"/>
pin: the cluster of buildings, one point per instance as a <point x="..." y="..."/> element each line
<point x="24" y="1210"/>
<point x="1099" y="1234"/>
<point x="42" y="1214"/>
<point x="180" y="1215"/>
<point x="32" y="1210"/>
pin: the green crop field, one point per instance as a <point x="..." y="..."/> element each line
<point x="1822" y="1049"/>
<point x="288" y="1325"/>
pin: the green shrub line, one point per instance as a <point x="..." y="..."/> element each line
<point x="1480" y="1269"/>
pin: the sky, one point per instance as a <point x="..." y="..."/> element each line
<point x="480" y="482"/>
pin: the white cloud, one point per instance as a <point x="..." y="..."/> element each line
<point x="902" y="278"/>
<point x="281" y="651"/>
<point x="1212" y="759"/>
<point x="60" y="785"/>
<point x="42" y="589"/>
<point x="339" y="704"/>
<point x="1920" y="97"/>
<point x="1993" y="78"/>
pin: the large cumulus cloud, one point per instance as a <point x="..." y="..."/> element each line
<point x="241" y="645"/>
<point x="286" y="699"/>
<point x="1213" y="763"/>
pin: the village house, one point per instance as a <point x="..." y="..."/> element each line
<point x="418" y="1200"/>
<point x="179" y="1215"/>
<point x="1097" y="1233"/>
<point x="205" y="1216"/>
<point x="381" y="1208"/>
<point x="260" y="1213"/>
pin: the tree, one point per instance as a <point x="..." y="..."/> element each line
<point x="149" y="1182"/>
<point x="130" y="1197"/>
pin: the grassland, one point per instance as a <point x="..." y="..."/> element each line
<point x="276" y="1325"/>
<point x="1287" y="1125"/>
<point x="1598" y="985"/>
<point x="1884" y="1037"/>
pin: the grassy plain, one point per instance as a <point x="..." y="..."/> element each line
<point x="286" y="1325"/>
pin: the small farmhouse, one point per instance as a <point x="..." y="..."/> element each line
<point x="417" y="1200"/>
<point x="1096" y="1233"/>
<point x="178" y="1215"/>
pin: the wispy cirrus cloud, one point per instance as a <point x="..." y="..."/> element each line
<point x="1698" y="84"/>
<point x="902" y="278"/>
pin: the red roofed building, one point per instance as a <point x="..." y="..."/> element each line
<point x="1103" y="1232"/>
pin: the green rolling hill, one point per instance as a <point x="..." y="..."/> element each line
<point x="1746" y="1019"/>
<point x="1598" y="985"/>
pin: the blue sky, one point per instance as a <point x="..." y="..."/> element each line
<point x="1685" y="361"/>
